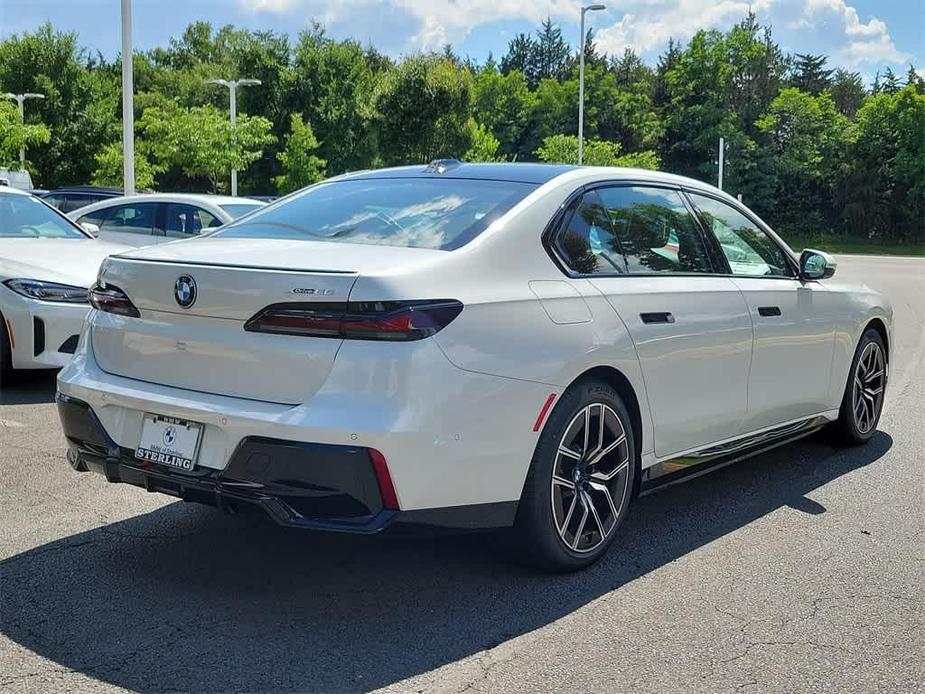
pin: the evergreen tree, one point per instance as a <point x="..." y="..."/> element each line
<point x="891" y="83"/>
<point x="847" y="92"/>
<point x="809" y="74"/>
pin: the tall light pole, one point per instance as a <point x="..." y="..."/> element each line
<point x="128" y="102"/>
<point x="722" y="162"/>
<point x="21" y="99"/>
<point x="233" y="104"/>
<point x="581" y="80"/>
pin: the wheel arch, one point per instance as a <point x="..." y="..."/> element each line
<point x="620" y="383"/>
<point x="880" y="327"/>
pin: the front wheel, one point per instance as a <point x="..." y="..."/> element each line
<point x="862" y="402"/>
<point x="6" y="358"/>
<point x="580" y="481"/>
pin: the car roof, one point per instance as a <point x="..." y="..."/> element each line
<point x="201" y="198"/>
<point x="14" y="191"/>
<point x="448" y="168"/>
<point x="85" y="189"/>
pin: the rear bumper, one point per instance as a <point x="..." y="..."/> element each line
<point x="301" y="485"/>
<point x="44" y="334"/>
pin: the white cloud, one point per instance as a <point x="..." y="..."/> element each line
<point x="440" y="21"/>
<point x="648" y="24"/>
<point x="866" y="42"/>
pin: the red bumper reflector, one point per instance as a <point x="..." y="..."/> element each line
<point x="386" y="488"/>
<point x="541" y="417"/>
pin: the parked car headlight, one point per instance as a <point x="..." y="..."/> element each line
<point x="48" y="291"/>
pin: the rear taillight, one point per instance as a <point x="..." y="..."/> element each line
<point x="398" y="321"/>
<point x="111" y="299"/>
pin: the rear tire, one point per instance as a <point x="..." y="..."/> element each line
<point x="862" y="402"/>
<point x="580" y="481"/>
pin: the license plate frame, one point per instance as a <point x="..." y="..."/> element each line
<point x="169" y="441"/>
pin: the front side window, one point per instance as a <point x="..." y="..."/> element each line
<point x="137" y="218"/>
<point x="632" y="229"/>
<point x="438" y="213"/>
<point x="24" y="217"/>
<point x="748" y="248"/>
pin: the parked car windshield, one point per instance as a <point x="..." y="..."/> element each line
<point x="415" y="212"/>
<point x="239" y="209"/>
<point x="23" y="217"/>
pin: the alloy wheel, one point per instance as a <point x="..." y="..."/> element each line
<point x="867" y="391"/>
<point x="590" y="478"/>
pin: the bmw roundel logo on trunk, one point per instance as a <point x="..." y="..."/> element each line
<point x="184" y="291"/>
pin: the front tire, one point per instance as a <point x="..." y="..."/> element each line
<point x="862" y="403"/>
<point x="580" y="481"/>
<point x="6" y="358"/>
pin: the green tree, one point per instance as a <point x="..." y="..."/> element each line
<point x="809" y="74"/>
<point x="502" y="103"/>
<point x="301" y="167"/>
<point x="847" y="91"/>
<point x="110" y="170"/>
<point x="79" y="105"/>
<point x="14" y="135"/>
<point x="563" y="149"/>
<point x="423" y="109"/>
<point x="484" y="146"/>
<point x="882" y="193"/>
<point x="201" y="141"/>
<point x="331" y="83"/>
<point x="806" y="138"/>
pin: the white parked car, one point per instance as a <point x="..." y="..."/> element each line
<point x="46" y="266"/>
<point x="472" y="346"/>
<point x="151" y="218"/>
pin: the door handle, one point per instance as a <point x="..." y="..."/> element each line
<point x="768" y="311"/>
<point x="663" y="317"/>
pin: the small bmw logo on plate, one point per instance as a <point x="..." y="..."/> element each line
<point x="184" y="291"/>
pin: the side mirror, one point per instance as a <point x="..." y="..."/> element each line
<point x="91" y="229"/>
<point x="816" y="265"/>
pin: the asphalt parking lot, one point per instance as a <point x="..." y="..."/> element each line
<point x="800" y="570"/>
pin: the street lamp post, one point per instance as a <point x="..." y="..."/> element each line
<point x="581" y="80"/>
<point x="128" y="102"/>
<point x="233" y="104"/>
<point x="21" y="100"/>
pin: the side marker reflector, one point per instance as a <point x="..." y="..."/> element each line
<point x="386" y="488"/>
<point x="541" y="417"/>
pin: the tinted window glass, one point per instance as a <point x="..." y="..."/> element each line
<point x="586" y="241"/>
<point x="653" y="231"/>
<point x="187" y="220"/>
<point x="74" y="201"/>
<point x="96" y="217"/>
<point x="416" y="212"/>
<point x="54" y="200"/>
<point x="138" y="218"/>
<point x="749" y="250"/>
<point x="27" y="218"/>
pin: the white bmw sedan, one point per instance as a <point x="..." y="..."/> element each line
<point x="469" y="346"/>
<point x="46" y="266"/>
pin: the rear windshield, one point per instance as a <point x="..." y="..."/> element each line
<point x="240" y="209"/>
<point x="442" y="214"/>
<point x="24" y="217"/>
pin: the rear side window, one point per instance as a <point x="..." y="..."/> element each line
<point x="632" y="230"/>
<point x="443" y="213"/>
<point x="181" y="221"/>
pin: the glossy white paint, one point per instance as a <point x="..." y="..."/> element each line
<point x="454" y="414"/>
<point x="68" y="261"/>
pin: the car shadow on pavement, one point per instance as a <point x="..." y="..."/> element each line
<point x="29" y="388"/>
<point x="184" y="598"/>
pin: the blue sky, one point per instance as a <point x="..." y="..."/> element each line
<point x="864" y="35"/>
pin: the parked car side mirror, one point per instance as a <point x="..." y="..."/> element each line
<point x="816" y="265"/>
<point x="91" y="229"/>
